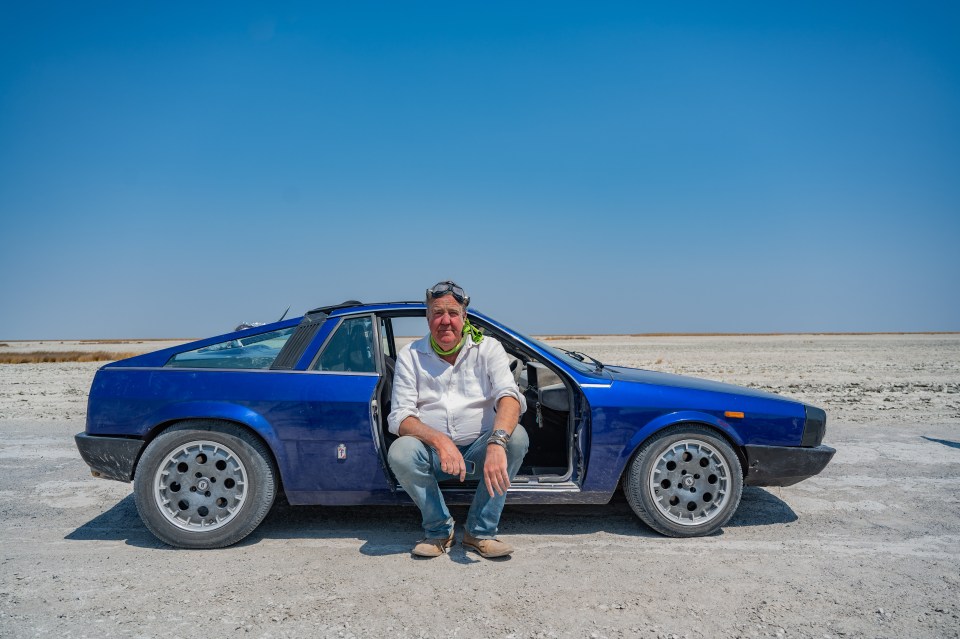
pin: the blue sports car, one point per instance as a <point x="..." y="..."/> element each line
<point x="209" y="432"/>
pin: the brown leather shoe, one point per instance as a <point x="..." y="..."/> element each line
<point x="433" y="547"/>
<point x="488" y="548"/>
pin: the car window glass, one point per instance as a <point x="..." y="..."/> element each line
<point x="251" y="351"/>
<point x="350" y="349"/>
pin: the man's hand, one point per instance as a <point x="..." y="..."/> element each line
<point x="451" y="460"/>
<point x="495" y="470"/>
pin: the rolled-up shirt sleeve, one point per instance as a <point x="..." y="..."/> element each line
<point x="501" y="379"/>
<point x="405" y="395"/>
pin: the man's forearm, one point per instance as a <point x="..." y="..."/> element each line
<point x="508" y="414"/>
<point x="415" y="428"/>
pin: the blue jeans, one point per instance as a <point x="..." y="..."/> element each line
<point x="417" y="468"/>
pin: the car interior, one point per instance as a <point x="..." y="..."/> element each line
<point x="551" y="403"/>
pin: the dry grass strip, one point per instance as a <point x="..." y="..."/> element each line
<point x="44" y="357"/>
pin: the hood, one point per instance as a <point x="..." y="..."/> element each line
<point x="641" y="376"/>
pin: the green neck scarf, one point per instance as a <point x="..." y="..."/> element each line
<point x="468" y="329"/>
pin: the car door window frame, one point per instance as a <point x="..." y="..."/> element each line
<point x="377" y="348"/>
<point x="577" y="421"/>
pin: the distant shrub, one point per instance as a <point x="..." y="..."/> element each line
<point x="52" y="357"/>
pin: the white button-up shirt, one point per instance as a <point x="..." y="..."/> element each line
<point x="458" y="400"/>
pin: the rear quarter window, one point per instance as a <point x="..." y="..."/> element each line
<point x="250" y="352"/>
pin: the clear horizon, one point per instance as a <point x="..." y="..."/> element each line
<point x="121" y="340"/>
<point x="613" y="169"/>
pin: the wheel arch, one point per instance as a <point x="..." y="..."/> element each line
<point x="258" y="427"/>
<point x="682" y="418"/>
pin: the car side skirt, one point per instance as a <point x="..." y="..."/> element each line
<point x="784" y="465"/>
<point x="516" y="495"/>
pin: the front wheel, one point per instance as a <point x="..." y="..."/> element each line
<point x="204" y="484"/>
<point x="685" y="481"/>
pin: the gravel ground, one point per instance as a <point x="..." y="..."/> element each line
<point x="870" y="548"/>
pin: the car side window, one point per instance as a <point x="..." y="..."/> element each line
<point x="253" y="351"/>
<point x="350" y="349"/>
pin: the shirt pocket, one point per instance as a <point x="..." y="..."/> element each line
<point x="472" y="383"/>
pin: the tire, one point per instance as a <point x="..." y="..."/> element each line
<point x="685" y="481"/>
<point x="204" y="484"/>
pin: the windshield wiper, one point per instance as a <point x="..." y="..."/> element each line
<point x="582" y="356"/>
<point x="595" y="361"/>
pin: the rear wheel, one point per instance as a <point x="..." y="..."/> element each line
<point x="685" y="481"/>
<point x="204" y="484"/>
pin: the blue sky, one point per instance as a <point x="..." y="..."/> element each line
<point x="169" y="169"/>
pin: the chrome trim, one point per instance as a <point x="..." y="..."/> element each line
<point x="595" y="385"/>
<point x="547" y="487"/>
<point x="356" y="373"/>
<point x="376" y="410"/>
<point x="377" y="343"/>
<point x="527" y="487"/>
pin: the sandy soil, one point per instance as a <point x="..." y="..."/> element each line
<point x="871" y="548"/>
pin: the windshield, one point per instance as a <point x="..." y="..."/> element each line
<point x="564" y="356"/>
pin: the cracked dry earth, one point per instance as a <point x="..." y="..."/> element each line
<point x="870" y="548"/>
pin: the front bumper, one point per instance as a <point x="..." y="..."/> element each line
<point x="110" y="457"/>
<point x="784" y="465"/>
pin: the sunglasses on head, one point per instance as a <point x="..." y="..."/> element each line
<point x="449" y="288"/>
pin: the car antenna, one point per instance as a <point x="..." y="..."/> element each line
<point x="284" y="314"/>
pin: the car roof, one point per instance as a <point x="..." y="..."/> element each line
<point x="353" y="306"/>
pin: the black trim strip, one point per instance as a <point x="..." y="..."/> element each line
<point x="306" y="330"/>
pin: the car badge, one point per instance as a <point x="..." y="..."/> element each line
<point x="342" y="451"/>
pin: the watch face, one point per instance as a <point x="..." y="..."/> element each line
<point x="500" y="433"/>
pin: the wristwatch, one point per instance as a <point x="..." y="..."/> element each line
<point x="499" y="437"/>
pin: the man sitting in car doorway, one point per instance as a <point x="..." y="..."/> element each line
<point x="456" y="408"/>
